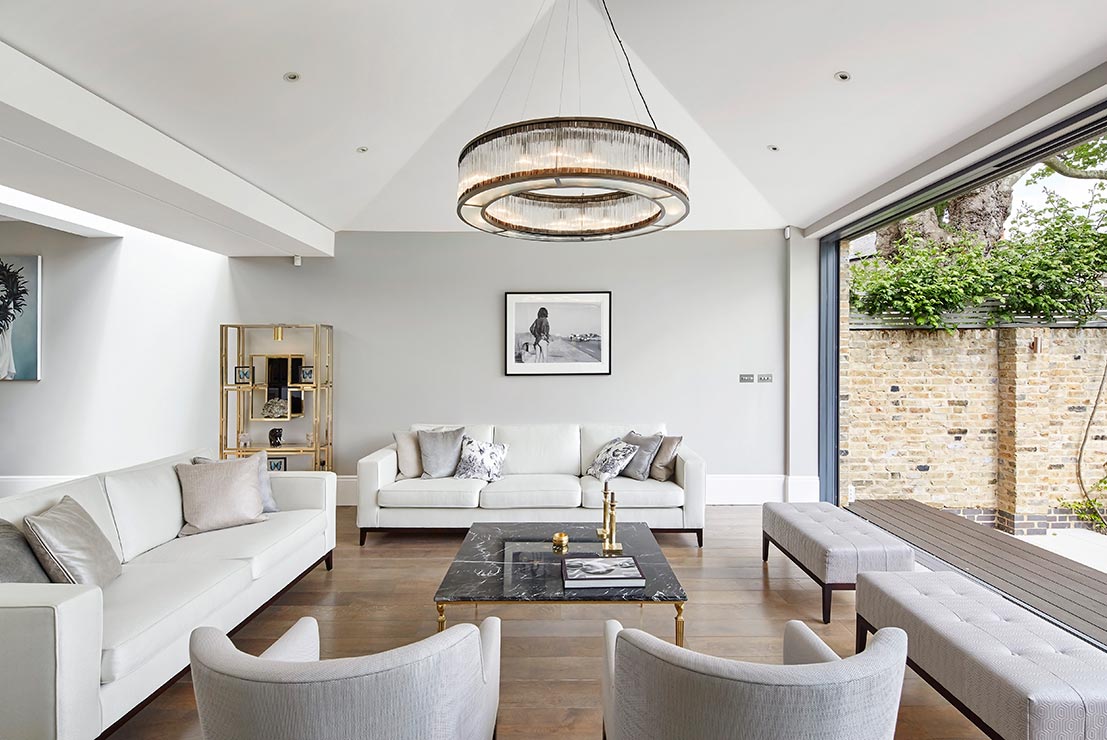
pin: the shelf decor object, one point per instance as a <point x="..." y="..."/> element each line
<point x="277" y="373"/>
<point x="573" y="178"/>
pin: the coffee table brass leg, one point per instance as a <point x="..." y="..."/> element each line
<point x="680" y="625"/>
<point x="441" y="616"/>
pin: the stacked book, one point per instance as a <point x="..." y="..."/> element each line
<point x="591" y="572"/>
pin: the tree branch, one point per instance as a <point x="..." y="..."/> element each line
<point x="1061" y="167"/>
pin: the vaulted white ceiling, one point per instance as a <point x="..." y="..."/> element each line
<point x="413" y="81"/>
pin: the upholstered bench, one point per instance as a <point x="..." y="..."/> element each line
<point x="1012" y="673"/>
<point x="831" y="545"/>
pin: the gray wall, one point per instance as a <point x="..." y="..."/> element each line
<point x="419" y="334"/>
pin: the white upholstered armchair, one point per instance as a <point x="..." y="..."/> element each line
<point x="652" y="689"/>
<point x="446" y="687"/>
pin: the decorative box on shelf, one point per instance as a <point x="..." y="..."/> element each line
<point x="276" y="394"/>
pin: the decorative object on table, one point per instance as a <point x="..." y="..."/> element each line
<point x="275" y="435"/>
<point x="277" y="356"/>
<point x="610" y="539"/>
<point x="639" y="466"/>
<point x="275" y="408"/>
<point x="278" y="464"/>
<point x="557" y="333"/>
<point x="20" y="320"/>
<point x="560" y="542"/>
<point x="621" y="572"/>
<point x="576" y="178"/>
<point x="480" y="460"/>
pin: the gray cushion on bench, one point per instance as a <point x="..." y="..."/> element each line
<point x="834" y="544"/>
<point x="1022" y="675"/>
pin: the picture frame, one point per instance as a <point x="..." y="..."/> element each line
<point x="21" y="317"/>
<point x="278" y="464"/>
<point x="557" y="333"/>
<point x="307" y="374"/>
<point x="243" y="375"/>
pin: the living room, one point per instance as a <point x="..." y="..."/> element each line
<point x="453" y="380"/>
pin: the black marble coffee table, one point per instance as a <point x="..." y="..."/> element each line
<point x="513" y="563"/>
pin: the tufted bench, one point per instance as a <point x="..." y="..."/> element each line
<point x="1012" y="673"/>
<point x="831" y="545"/>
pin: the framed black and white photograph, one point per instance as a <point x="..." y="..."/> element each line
<point x="307" y="375"/>
<point x="243" y="374"/>
<point x="278" y="464"/>
<point x="558" y="333"/>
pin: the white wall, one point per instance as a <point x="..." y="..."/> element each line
<point x="419" y="334"/>
<point x="129" y="358"/>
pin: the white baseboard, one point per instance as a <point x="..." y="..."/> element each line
<point x="12" y="485"/>
<point x="722" y="490"/>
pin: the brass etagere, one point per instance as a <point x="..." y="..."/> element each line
<point x="290" y="364"/>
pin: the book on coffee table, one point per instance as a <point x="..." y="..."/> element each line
<point x="617" y="572"/>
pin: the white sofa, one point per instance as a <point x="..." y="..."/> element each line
<point x="77" y="659"/>
<point x="543" y="481"/>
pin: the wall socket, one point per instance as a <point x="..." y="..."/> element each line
<point x="764" y="377"/>
<point x="745" y="378"/>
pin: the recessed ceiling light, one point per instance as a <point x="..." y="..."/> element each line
<point x="362" y="149"/>
<point x="291" y="76"/>
<point x="843" y="76"/>
<point x="773" y="148"/>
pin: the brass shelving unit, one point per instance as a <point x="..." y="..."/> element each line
<point x="275" y="354"/>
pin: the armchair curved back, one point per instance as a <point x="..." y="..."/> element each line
<point x="661" y="691"/>
<point x="445" y="687"/>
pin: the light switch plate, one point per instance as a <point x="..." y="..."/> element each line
<point x="745" y="378"/>
<point x="765" y="377"/>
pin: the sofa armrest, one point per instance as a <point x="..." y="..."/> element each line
<point x="611" y="630"/>
<point x="307" y="490"/>
<point x="51" y="637"/>
<point x="374" y="471"/>
<point x="691" y="475"/>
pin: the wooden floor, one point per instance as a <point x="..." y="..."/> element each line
<point x="381" y="596"/>
<point x="1063" y="590"/>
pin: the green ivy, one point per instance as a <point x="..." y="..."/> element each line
<point x="1050" y="266"/>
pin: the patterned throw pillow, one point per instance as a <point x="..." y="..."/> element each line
<point x="611" y="460"/>
<point x="480" y="460"/>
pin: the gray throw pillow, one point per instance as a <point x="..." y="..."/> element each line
<point x="18" y="563"/>
<point x="611" y="459"/>
<point x="268" y="503"/>
<point x="664" y="463"/>
<point x="408" y="458"/>
<point x="220" y="495"/>
<point x="70" y="547"/>
<point x="440" y="452"/>
<point x="639" y="466"/>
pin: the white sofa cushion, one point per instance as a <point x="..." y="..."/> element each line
<point x="479" y="432"/>
<point x="539" y="491"/>
<point x="153" y="604"/>
<point x="632" y="494"/>
<point x="449" y="493"/>
<point x="594" y="436"/>
<point x="263" y="545"/>
<point x="88" y="492"/>
<point x="540" y="448"/>
<point x="146" y="504"/>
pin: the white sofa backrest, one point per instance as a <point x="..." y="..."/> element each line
<point x="540" y="448"/>
<point x="479" y="432"/>
<point x="88" y="492"/>
<point x="594" y="436"/>
<point x="147" y="506"/>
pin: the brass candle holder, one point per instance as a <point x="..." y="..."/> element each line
<point x="560" y="542"/>
<point x="609" y="542"/>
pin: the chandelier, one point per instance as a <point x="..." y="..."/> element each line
<point x="574" y="178"/>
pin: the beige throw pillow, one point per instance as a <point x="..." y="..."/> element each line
<point x="664" y="462"/>
<point x="409" y="459"/>
<point x="220" y="495"/>
<point x="70" y="547"/>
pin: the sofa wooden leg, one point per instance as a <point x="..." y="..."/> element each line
<point x="828" y="594"/>
<point x="862" y="634"/>
<point x="364" y="534"/>
<point x="699" y="537"/>
<point x="764" y="547"/>
<point x="329" y="560"/>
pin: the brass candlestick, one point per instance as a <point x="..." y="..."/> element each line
<point x="601" y="532"/>
<point x="611" y="545"/>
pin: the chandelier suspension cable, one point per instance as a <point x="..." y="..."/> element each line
<point x="630" y="67"/>
<point x="622" y="75"/>
<point x="564" y="56"/>
<point x="511" y="73"/>
<point x="580" y="107"/>
<point x="538" y="59"/>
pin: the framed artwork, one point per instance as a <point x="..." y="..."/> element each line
<point x="557" y="333"/>
<point x="20" y="317"/>
<point x="243" y="374"/>
<point x="278" y="464"/>
<point x="307" y="374"/>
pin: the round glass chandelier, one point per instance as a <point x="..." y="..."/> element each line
<point x="573" y="178"/>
